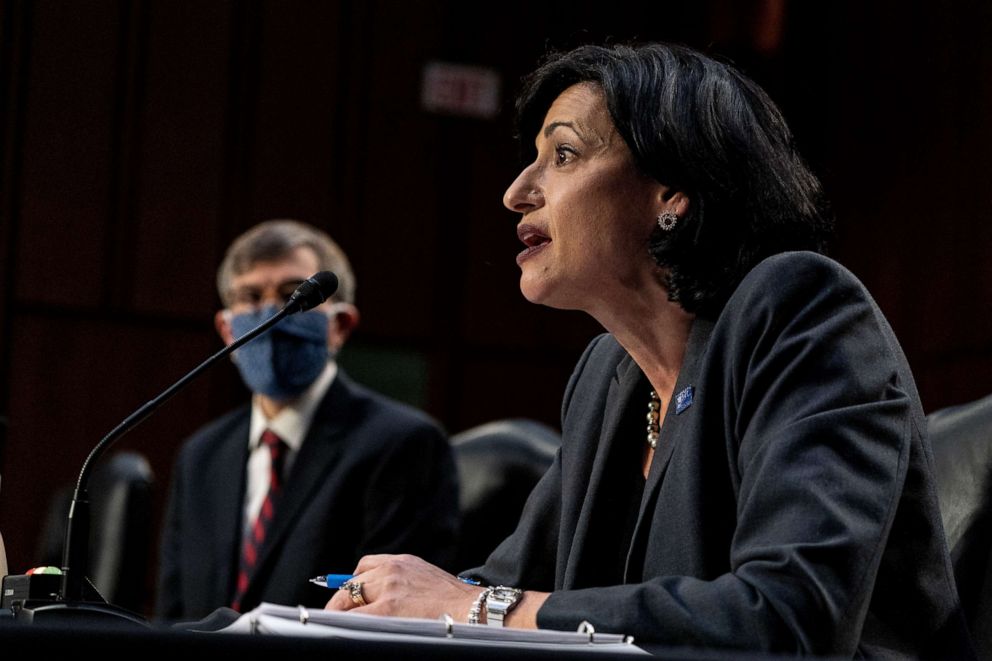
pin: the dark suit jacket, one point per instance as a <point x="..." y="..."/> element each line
<point x="372" y="476"/>
<point x="790" y="507"/>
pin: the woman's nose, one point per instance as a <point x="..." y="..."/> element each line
<point x="523" y="195"/>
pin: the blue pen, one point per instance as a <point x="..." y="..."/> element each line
<point x="332" y="581"/>
<point x="335" y="581"/>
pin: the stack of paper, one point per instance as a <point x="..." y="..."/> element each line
<point x="299" y="621"/>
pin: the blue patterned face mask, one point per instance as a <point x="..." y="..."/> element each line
<point x="282" y="362"/>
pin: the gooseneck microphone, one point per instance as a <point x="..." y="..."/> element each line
<point x="311" y="293"/>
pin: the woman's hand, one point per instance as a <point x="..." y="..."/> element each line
<point x="407" y="586"/>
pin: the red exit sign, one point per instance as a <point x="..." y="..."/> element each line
<point x="458" y="89"/>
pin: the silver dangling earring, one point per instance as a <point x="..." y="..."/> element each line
<point x="667" y="220"/>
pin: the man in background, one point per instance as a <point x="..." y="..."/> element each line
<point x="316" y="471"/>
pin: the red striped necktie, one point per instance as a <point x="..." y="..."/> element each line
<point x="256" y="535"/>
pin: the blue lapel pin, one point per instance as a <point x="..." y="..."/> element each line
<point x="683" y="400"/>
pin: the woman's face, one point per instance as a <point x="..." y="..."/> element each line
<point x="586" y="211"/>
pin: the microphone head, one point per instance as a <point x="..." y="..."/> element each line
<point x="312" y="292"/>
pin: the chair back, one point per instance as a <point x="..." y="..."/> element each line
<point x="498" y="465"/>
<point x="961" y="438"/>
<point x="120" y="493"/>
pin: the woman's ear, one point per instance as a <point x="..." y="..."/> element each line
<point x="670" y="199"/>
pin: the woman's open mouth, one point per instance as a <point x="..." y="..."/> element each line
<point x="533" y="238"/>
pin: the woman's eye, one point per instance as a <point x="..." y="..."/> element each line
<point x="563" y="154"/>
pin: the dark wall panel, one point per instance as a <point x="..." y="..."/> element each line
<point x="530" y="386"/>
<point x="14" y="43"/>
<point x="298" y="106"/>
<point x="173" y="229"/>
<point x="63" y="252"/>
<point x="54" y="422"/>
<point x="910" y="178"/>
<point x="395" y="162"/>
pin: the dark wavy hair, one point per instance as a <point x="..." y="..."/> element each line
<point x="700" y="127"/>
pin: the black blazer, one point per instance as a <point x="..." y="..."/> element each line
<point x="372" y="476"/>
<point x="789" y="508"/>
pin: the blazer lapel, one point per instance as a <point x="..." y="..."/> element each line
<point x="622" y="388"/>
<point x="699" y="337"/>
<point x="225" y="509"/>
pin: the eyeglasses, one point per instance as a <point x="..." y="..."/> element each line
<point x="256" y="297"/>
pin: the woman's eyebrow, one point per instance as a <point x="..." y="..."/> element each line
<point x="550" y="128"/>
<point x="585" y="134"/>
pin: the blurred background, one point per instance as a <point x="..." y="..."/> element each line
<point x="137" y="138"/>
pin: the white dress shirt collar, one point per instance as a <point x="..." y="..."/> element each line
<point x="291" y="425"/>
<point x="293" y="422"/>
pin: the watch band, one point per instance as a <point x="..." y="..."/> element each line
<point x="499" y="602"/>
<point x="478" y="605"/>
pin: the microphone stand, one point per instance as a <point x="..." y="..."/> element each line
<point x="75" y="596"/>
<point x="76" y="550"/>
<point x="71" y="598"/>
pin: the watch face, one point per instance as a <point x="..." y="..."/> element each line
<point x="500" y="602"/>
<point x="510" y="595"/>
<point x="503" y="594"/>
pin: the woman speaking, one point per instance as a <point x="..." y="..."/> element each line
<point x="744" y="461"/>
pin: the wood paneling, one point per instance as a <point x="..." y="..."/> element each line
<point x="401" y="201"/>
<point x="64" y="253"/>
<point x="297" y="106"/>
<point x="911" y="165"/>
<point x="75" y="379"/>
<point x="174" y="232"/>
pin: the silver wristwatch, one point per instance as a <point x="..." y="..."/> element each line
<point x="499" y="602"/>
